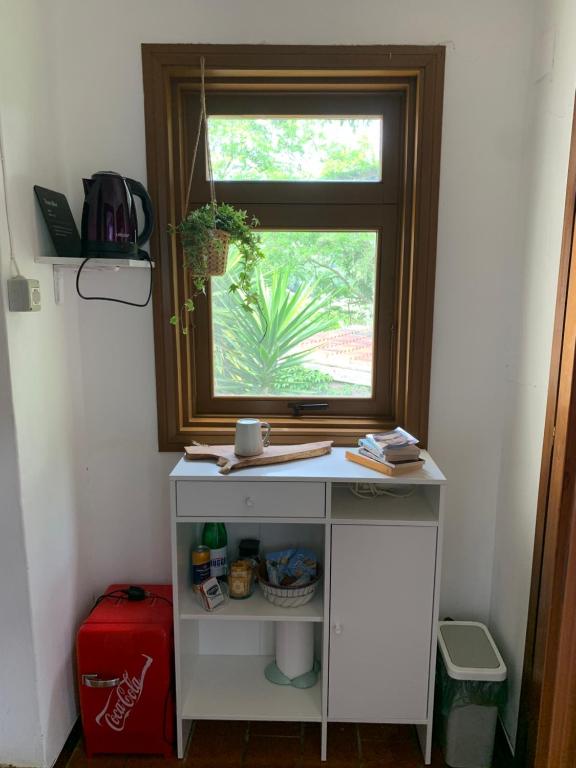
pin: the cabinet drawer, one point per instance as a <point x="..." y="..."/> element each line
<point x="247" y="499"/>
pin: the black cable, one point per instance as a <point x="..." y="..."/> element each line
<point x="117" y="594"/>
<point x="159" y="597"/>
<point x="123" y="594"/>
<point x="108" y="298"/>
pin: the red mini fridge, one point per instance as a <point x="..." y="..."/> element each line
<point x="125" y="673"/>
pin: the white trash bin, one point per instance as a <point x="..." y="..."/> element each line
<point x="471" y="681"/>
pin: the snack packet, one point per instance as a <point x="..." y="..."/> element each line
<point x="291" y="567"/>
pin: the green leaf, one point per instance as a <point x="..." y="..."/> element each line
<point x="255" y="351"/>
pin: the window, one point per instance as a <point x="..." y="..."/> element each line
<point x="287" y="148"/>
<point x="314" y="335"/>
<point x="339" y="164"/>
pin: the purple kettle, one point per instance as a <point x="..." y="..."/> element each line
<point x="109" y="223"/>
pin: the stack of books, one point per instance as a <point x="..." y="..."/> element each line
<point x="392" y="453"/>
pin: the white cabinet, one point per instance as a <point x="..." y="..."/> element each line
<point x="374" y="614"/>
<point x="380" y="622"/>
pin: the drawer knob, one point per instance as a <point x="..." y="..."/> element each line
<point x="337" y="629"/>
<point x="249" y="501"/>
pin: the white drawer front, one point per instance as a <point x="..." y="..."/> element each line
<point x="247" y="499"/>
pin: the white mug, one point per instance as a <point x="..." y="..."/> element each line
<point x="249" y="440"/>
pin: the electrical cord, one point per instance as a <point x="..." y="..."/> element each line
<point x="132" y="594"/>
<point x="374" y="490"/>
<point x="159" y="597"/>
<point x="109" y="298"/>
<point x="117" y="594"/>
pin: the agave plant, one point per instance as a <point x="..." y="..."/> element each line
<point x="257" y="353"/>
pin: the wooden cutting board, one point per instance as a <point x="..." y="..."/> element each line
<point x="273" y="454"/>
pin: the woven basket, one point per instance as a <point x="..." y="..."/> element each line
<point x="214" y="258"/>
<point x="287" y="597"/>
<point x="217" y="252"/>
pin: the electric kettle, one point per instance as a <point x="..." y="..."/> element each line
<point x="109" y="223"/>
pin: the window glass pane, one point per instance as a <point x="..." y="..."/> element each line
<point x="296" y="148"/>
<point x="315" y="335"/>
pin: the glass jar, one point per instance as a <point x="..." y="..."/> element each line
<point x="240" y="580"/>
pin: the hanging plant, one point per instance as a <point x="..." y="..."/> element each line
<point x="206" y="234"/>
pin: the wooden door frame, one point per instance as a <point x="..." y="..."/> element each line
<point x="546" y="733"/>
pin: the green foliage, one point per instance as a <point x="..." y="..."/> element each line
<point x="278" y="149"/>
<point x="347" y="164"/>
<point x="310" y="281"/>
<point x="338" y="261"/>
<point x="252" y="150"/>
<point x="255" y="353"/>
<point x="198" y="233"/>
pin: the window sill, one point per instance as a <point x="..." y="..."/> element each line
<point x="285" y="431"/>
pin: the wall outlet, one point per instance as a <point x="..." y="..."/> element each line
<point x="23" y="294"/>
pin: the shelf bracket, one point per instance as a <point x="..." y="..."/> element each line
<point x="58" y="280"/>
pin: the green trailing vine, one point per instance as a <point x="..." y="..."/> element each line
<point x="198" y="233"/>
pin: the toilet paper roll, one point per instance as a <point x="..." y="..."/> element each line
<point x="294" y="647"/>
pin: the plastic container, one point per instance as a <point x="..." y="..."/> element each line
<point x="471" y="685"/>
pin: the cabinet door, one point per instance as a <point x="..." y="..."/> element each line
<point x="381" y="605"/>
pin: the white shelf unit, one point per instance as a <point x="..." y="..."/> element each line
<point x="222" y="655"/>
<point x="382" y="556"/>
<point x="413" y="505"/>
<point x="234" y="688"/>
<point x="255" y="608"/>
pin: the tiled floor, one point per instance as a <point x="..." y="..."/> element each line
<point x="216" y="744"/>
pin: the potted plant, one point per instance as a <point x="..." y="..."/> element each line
<point x="206" y="233"/>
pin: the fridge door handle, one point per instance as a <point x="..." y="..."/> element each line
<point x="93" y="681"/>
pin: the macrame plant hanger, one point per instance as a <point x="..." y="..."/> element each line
<point x="216" y="255"/>
<point x="213" y="258"/>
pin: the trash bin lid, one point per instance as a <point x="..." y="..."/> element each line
<point x="469" y="652"/>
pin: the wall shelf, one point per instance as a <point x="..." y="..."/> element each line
<point x="59" y="261"/>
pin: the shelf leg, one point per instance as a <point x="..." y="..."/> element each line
<point x="184" y="728"/>
<point x="323" y="740"/>
<point x="425" y="738"/>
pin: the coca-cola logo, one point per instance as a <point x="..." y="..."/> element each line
<point x="123" y="698"/>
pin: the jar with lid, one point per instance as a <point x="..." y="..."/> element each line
<point x="240" y="580"/>
<point x="249" y="550"/>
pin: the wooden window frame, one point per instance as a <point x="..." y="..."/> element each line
<point x="320" y="206"/>
<point x="171" y="72"/>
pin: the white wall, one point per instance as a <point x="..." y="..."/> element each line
<point x="552" y="92"/>
<point x="101" y="109"/>
<point x="19" y="743"/>
<point x="86" y="91"/>
<point x="44" y="375"/>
